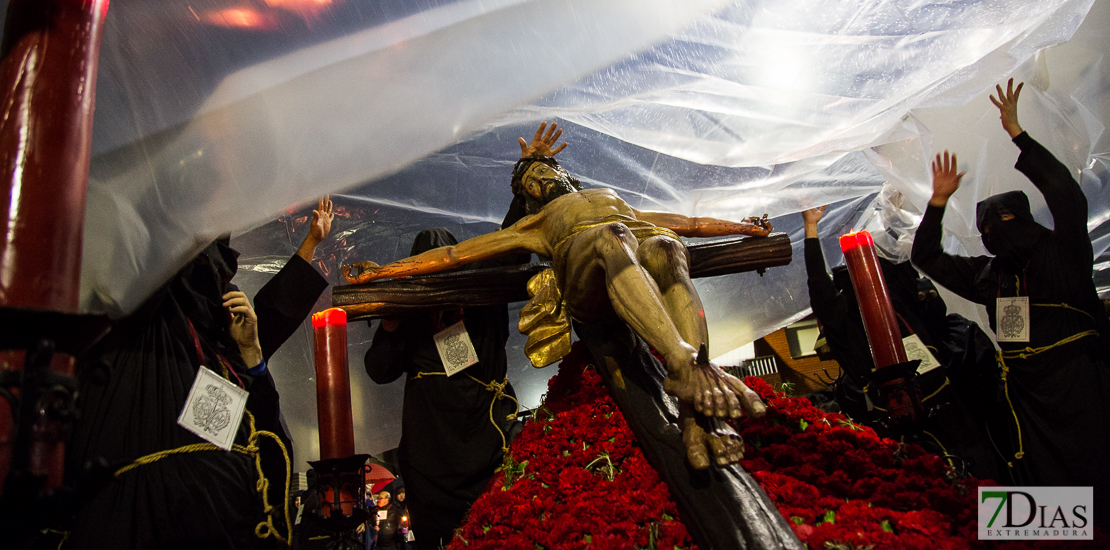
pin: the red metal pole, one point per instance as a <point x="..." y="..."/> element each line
<point x="879" y="320"/>
<point x="333" y="385"/>
<point x="48" y="70"/>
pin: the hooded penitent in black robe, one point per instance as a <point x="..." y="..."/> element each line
<point x="202" y="499"/>
<point x="1060" y="396"/>
<point x="449" y="446"/>
<point x="950" y="393"/>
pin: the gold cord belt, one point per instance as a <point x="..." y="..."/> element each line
<point x="498" y="391"/>
<point x="1024" y="354"/>
<point x="265" y="528"/>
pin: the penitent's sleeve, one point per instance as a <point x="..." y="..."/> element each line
<point x="1064" y="197"/>
<point x="285" y="301"/>
<point x="823" y="295"/>
<point x="956" y="273"/>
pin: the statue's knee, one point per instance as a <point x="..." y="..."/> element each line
<point x="659" y="253"/>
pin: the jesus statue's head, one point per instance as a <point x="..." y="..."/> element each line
<point x="541" y="180"/>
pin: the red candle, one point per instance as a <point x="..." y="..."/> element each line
<point x="879" y="320"/>
<point x="48" y="73"/>
<point x="333" y="385"/>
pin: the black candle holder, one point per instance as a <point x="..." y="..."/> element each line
<point x="341" y="488"/>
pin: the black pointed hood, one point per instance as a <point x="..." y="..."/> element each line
<point x="1012" y="239"/>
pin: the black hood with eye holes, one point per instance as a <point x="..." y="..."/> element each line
<point x="1009" y="240"/>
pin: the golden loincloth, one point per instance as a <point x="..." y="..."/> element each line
<point x="544" y="318"/>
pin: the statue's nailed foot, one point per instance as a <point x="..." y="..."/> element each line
<point x="711" y="391"/>
<point x="708" y="440"/>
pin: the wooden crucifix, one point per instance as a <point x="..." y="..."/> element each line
<point x="722" y="507"/>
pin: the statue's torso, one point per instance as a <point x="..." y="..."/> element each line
<point x="562" y="215"/>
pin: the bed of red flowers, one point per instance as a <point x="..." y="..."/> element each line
<point x="575" y="478"/>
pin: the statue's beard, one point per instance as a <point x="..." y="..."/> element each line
<point x="562" y="187"/>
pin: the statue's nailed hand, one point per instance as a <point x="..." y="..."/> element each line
<point x="360" y="272"/>
<point x="541" y="143"/>
<point x="763" y="227"/>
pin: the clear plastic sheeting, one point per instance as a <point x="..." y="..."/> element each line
<point x="222" y="116"/>
<point x="319" y="118"/>
<point x="774" y="81"/>
<point x="213" y="116"/>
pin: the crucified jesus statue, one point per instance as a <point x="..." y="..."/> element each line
<point x="612" y="262"/>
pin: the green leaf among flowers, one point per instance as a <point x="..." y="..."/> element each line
<point x="887" y="526"/>
<point x="830" y="545"/>
<point x="513" y="470"/>
<point x="803" y="424"/>
<point x="849" y="424"/>
<point x="830" y="517"/>
<point x="653" y="536"/>
<point x="608" y="468"/>
<point x="797" y="520"/>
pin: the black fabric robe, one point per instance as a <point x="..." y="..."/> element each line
<point x="964" y="351"/>
<point x="203" y="499"/>
<point x="1061" y="397"/>
<point x="449" y="446"/>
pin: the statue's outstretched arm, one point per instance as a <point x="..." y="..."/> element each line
<point x="705" y="227"/>
<point x="522" y="236"/>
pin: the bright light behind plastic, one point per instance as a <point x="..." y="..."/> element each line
<point x="242" y="18"/>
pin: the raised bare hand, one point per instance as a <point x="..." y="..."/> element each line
<point x="810" y="218"/>
<point x="322" y="218"/>
<point x="1007" y="107"/>
<point x="813" y="215"/>
<point x="541" y="143"/>
<point x="946" y="179"/>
